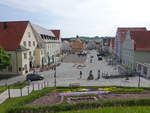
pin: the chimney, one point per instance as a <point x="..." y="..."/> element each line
<point x="5" y="25"/>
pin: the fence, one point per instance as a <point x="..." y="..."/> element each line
<point x="11" y="93"/>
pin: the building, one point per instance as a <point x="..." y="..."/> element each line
<point x="111" y="46"/>
<point x="29" y="46"/>
<point x="91" y="45"/>
<point x="143" y="69"/>
<point x="65" y="47"/>
<point x="136" y="48"/>
<point x="19" y="41"/>
<point x="120" y="37"/>
<point x="77" y="46"/>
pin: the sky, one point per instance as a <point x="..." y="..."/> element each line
<point x="79" y="17"/>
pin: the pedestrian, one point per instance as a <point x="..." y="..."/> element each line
<point x="80" y="74"/>
<point x="98" y="74"/>
<point x="91" y="60"/>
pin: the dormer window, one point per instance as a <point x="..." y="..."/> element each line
<point x="24" y="43"/>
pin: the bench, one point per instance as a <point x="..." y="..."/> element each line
<point x="74" y="84"/>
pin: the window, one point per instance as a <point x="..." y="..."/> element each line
<point x="25" y="55"/>
<point x="33" y="43"/>
<point x="30" y="53"/>
<point x="29" y="34"/>
<point x="29" y="43"/>
<point x="24" y="43"/>
<point x="145" y="70"/>
<point x="41" y="52"/>
<point x="19" y="68"/>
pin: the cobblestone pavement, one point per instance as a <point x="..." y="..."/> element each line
<point x="68" y="73"/>
<point x="74" y="59"/>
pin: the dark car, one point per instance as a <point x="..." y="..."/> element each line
<point x="98" y="54"/>
<point x="100" y="58"/>
<point x="33" y="77"/>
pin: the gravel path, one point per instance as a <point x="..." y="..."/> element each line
<point x="49" y="99"/>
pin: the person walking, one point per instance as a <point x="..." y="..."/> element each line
<point x="80" y="74"/>
<point x="98" y="74"/>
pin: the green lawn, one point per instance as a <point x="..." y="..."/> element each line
<point x="18" y="85"/>
<point x="135" y="109"/>
<point x="2" y="88"/>
<point x="19" y="101"/>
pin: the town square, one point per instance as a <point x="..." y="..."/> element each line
<point x="74" y="56"/>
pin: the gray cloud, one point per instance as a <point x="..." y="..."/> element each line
<point x="88" y="17"/>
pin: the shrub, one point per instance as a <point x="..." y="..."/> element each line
<point x="77" y="106"/>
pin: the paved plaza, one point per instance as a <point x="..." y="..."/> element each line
<point x="69" y="72"/>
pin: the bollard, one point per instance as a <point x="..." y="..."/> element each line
<point x="21" y="92"/>
<point x="33" y="86"/>
<point x="41" y="86"/>
<point x="44" y="84"/>
<point x="38" y="86"/>
<point x="8" y="92"/>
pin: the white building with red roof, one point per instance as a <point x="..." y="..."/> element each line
<point x="17" y="38"/>
<point x="28" y="46"/>
<point x="136" y="50"/>
<point x="120" y="37"/>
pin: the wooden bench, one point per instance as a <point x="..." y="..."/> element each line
<point x="74" y="84"/>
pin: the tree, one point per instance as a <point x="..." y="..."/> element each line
<point x="4" y="59"/>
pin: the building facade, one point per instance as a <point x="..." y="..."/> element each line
<point x="120" y="37"/>
<point x="18" y="39"/>
<point x="29" y="46"/>
<point x="136" y="49"/>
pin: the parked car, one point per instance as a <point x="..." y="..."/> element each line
<point x="98" y="54"/>
<point x="33" y="77"/>
<point x="100" y="58"/>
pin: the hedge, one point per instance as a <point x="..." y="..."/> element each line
<point x="77" y="106"/>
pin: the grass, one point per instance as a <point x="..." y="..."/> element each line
<point x="20" y="101"/>
<point x="2" y="88"/>
<point x="134" y="109"/>
<point x="18" y="85"/>
<point x="80" y="106"/>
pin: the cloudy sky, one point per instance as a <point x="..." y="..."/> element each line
<point x="82" y="17"/>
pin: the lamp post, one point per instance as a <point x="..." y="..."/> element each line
<point x="55" y="73"/>
<point x="139" y="80"/>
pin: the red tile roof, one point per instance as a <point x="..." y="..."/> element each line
<point x="122" y="31"/>
<point x="56" y="33"/>
<point x="141" y="39"/>
<point x="11" y="34"/>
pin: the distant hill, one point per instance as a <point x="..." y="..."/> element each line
<point x="86" y="38"/>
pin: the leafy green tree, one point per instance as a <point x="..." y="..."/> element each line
<point x="4" y="59"/>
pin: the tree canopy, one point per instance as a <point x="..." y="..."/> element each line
<point x="4" y="59"/>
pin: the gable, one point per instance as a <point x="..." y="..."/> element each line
<point x="11" y="34"/>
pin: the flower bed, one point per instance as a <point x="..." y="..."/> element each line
<point x="72" y="100"/>
<point x="84" y="93"/>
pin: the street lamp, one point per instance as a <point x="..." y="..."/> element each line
<point x="55" y="73"/>
<point x="139" y="80"/>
